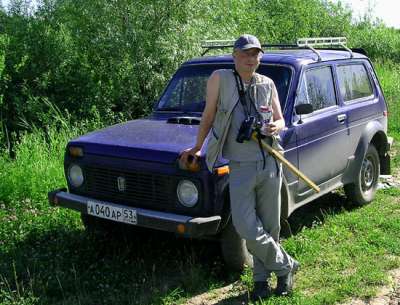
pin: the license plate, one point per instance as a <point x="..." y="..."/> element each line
<point x="110" y="212"/>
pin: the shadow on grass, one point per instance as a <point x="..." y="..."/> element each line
<point x="61" y="264"/>
<point x="66" y="265"/>
<point x="316" y="211"/>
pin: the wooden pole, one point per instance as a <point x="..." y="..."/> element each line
<point x="277" y="155"/>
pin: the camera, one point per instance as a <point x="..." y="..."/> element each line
<point x="246" y="129"/>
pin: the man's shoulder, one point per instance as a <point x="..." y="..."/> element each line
<point x="226" y="76"/>
<point x="224" y="72"/>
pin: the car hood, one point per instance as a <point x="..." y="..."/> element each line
<point x="144" y="139"/>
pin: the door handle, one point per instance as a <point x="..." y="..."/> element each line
<point x="341" y="118"/>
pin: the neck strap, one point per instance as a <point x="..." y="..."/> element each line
<point x="242" y="94"/>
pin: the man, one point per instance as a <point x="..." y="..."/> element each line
<point x="234" y="96"/>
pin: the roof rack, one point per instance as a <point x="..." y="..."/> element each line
<point x="223" y="44"/>
<point x="308" y="43"/>
<point x="312" y="42"/>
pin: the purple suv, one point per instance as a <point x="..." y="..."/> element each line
<point x="336" y="133"/>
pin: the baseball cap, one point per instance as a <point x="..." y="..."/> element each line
<point x="246" y="42"/>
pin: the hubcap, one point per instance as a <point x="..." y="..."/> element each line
<point x="367" y="174"/>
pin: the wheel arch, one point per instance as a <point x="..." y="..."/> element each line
<point x="373" y="134"/>
<point x="380" y="141"/>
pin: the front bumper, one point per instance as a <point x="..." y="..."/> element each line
<point x="192" y="226"/>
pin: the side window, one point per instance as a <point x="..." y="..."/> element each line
<point x="317" y="88"/>
<point x="354" y="82"/>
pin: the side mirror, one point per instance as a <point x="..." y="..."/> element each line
<point x="303" y="109"/>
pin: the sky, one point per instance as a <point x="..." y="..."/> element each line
<point x="387" y="10"/>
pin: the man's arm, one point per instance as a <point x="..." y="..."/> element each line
<point x="207" y="118"/>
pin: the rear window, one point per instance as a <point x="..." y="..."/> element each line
<point x="354" y="82"/>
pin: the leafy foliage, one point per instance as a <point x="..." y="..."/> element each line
<point x="379" y="40"/>
<point x="116" y="56"/>
<point x="113" y="58"/>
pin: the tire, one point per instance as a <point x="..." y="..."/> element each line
<point x="234" y="250"/>
<point x="363" y="190"/>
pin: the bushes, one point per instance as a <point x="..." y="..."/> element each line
<point x="379" y="41"/>
<point x="114" y="57"/>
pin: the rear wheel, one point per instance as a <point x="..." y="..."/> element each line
<point x="363" y="190"/>
<point x="234" y="250"/>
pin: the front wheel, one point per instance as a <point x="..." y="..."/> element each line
<point x="363" y="190"/>
<point x="234" y="250"/>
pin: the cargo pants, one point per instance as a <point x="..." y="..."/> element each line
<point x="255" y="204"/>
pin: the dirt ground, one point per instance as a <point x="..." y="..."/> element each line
<point x="235" y="294"/>
<point x="388" y="295"/>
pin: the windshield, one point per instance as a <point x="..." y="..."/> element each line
<point x="187" y="90"/>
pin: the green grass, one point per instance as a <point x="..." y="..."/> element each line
<point x="46" y="257"/>
<point x="389" y="74"/>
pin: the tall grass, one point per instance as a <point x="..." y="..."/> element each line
<point x="38" y="166"/>
<point x="389" y="75"/>
<point x="38" y="163"/>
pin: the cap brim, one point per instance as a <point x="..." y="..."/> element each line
<point x="251" y="46"/>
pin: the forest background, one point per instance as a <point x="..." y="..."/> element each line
<point x="111" y="59"/>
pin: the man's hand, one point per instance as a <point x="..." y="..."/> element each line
<point x="278" y="122"/>
<point x="270" y="129"/>
<point x="189" y="157"/>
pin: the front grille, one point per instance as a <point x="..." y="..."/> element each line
<point x="141" y="189"/>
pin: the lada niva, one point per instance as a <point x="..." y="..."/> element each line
<point x="336" y="134"/>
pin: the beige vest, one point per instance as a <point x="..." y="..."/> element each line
<point x="228" y="98"/>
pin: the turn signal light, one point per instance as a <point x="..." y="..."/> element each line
<point x="223" y="170"/>
<point x="75" y="151"/>
<point x="181" y="229"/>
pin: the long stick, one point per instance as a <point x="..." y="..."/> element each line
<point x="280" y="157"/>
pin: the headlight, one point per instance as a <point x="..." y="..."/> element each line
<point x="75" y="175"/>
<point x="187" y="193"/>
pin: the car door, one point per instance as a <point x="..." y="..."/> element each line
<point x="360" y="98"/>
<point x="322" y="136"/>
